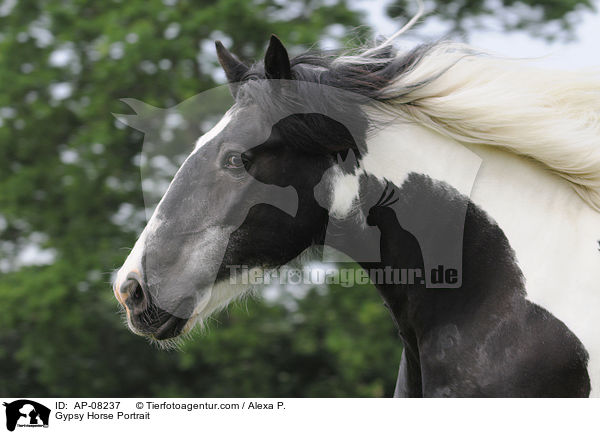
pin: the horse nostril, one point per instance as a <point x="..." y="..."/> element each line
<point x="138" y="294"/>
<point x="137" y="297"/>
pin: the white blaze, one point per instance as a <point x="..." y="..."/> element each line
<point x="133" y="262"/>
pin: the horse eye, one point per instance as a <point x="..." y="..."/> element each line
<point x="234" y="161"/>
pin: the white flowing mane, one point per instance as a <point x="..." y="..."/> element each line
<point x="550" y="116"/>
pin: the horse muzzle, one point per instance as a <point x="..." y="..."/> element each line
<point x="145" y="317"/>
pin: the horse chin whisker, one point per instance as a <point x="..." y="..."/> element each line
<point x="172" y="344"/>
<point x="199" y="324"/>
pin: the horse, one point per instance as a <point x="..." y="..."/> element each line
<point x="442" y="159"/>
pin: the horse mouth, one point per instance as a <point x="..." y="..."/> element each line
<point x="155" y="322"/>
<point x="171" y="328"/>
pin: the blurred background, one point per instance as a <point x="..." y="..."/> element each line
<point x="71" y="202"/>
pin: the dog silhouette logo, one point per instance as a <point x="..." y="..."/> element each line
<point x="26" y="413"/>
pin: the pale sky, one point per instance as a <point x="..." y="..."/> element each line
<point x="583" y="52"/>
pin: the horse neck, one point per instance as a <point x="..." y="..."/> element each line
<point x="490" y="278"/>
<point x="532" y="207"/>
<point x="488" y="270"/>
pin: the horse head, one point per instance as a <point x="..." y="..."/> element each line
<point x="244" y="195"/>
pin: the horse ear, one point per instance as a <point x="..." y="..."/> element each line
<point x="277" y="61"/>
<point x="234" y="69"/>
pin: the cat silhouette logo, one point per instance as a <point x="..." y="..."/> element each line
<point x="26" y="413"/>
